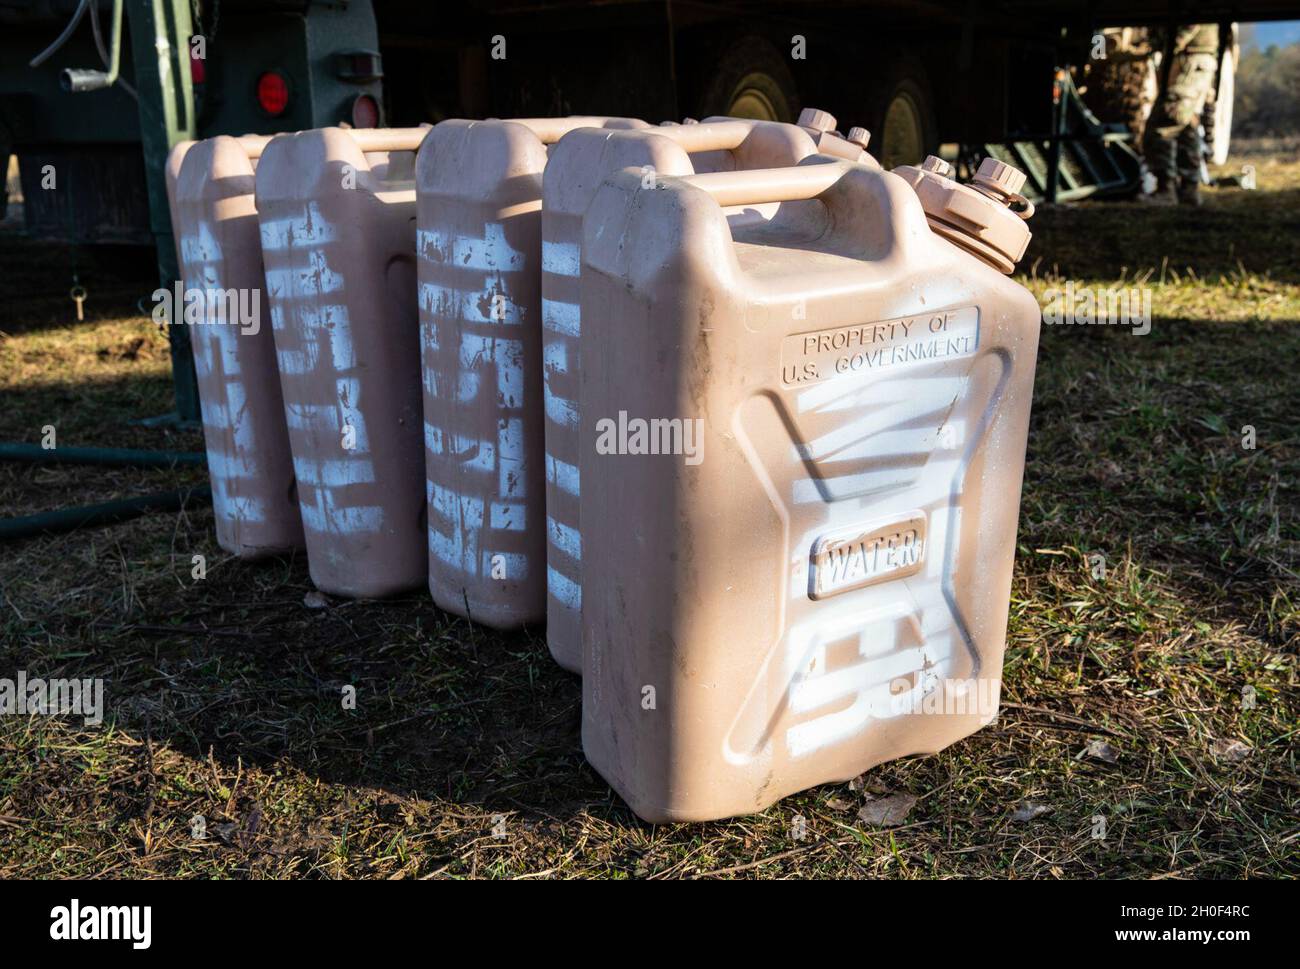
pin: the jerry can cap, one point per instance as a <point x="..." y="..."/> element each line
<point x="820" y="126"/>
<point x="978" y="216"/>
<point x="816" y="119"/>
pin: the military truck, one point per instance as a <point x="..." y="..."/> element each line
<point x="93" y="93"/>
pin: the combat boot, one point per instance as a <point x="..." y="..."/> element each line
<point x="1189" y="192"/>
<point x="1165" y="194"/>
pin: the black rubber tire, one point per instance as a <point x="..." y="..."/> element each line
<point x="746" y="73"/>
<point x="903" y="79"/>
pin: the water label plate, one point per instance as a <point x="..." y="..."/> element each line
<point x="855" y="558"/>
<point x="875" y="347"/>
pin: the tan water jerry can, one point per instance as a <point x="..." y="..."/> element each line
<point x="337" y="212"/>
<point x="579" y="164"/>
<point x="480" y="263"/>
<point x="220" y="299"/>
<point x="802" y="447"/>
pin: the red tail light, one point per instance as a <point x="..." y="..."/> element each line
<point x="365" y="112"/>
<point x="273" y="93"/>
<point x="198" y="70"/>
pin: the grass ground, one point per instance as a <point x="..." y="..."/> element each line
<point x="1161" y="696"/>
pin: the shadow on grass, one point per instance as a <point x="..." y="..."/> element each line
<point x="1133" y="452"/>
<point x="38" y="276"/>
<point x="1257" y="230"/>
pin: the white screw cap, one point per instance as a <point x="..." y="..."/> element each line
<point x="935" y="164"/>
<point x="816" y="119"/>
<point x="1000" y="176"/>
<point x="859" y="136"/>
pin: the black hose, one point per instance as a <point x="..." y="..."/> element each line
<point x="62" y="39"/>
<point x="108" y="513"/>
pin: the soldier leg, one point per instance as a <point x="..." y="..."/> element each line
<point x="1159" y="149"/>
<point x="1188" y="150"/>
<point x="1188" y="93"/>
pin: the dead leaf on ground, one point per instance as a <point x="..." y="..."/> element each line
<point x="1099" y="750"/>
<point x="887" y="812"/>
<point x="1028" y="810"/>
<point x="1230" y="751"/>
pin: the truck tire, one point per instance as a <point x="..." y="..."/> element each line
<point x="750" y="79"/>
<point x="902" y="112"/>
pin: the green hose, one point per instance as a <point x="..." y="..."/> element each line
<point x="123" y="457"/>
<point x="108" y="513"/>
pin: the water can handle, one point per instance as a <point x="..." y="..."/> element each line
<point x="760" y="185"/>
<point x="254" y="145"/>
<point x="551" y="130"/>
<point x="707" y="136"/>
<point x="388" y="139"/>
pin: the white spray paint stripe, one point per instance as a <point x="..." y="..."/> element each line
<point x="512" y="471"/>
<point x="349" y="392"/>
<point x="284" y="279"/>
<point x="509" y="516"/>
<point x="563" y="475"/>
<point x="429" y="330"/>
<point x="563" y="589"/>
<point x="308" y="287"/>
<point x="871" y="681"/>
<point x="333" y="473"/>
<point x="555" y="357"/>
<point x="235" y="508"/>
<point x="227" y="348"/>
<point x="467" y="384"/>
<point x="830" y="687"/>
<point x="342" y="354"/>
<point x="879" y="418"/>
<point x="240" y="419"/>
<point x="472" y="454"/>
<point x="305" y="417"/>
<point x="458" y="546"/>
<point x="506" y="355"/>
<point x="559" y="410"/>
<point x="897" y="445"/>
<point x="511" y="565"/>
<point x="226" y="467"/>
<point x="565" y="318"/>
<point x="852" y="391"/>
<point x="295" y="232"/>
<point x="216" y="415"/>
<point x="891" y="673"/>
<point x="226" y="418"/>
<point x="565" y="538"/>
<point x="432" y="438"/>
<point x="478" y="306"/>
<point x="933" y="484"/>
<point x="492" y="253"/>
<point x="562" y="258"/>
<point x="325" y="516"/>
<point x="872" y="703"/>
<point x="461" y="545"/>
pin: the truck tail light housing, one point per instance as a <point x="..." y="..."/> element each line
<point x="273" y="93"/>
<point x="365" y="112"/>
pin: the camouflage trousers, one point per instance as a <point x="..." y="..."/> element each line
<point x="1172" y="143"/>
